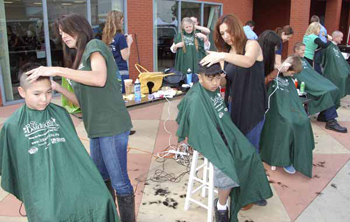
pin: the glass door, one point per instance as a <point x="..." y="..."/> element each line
<point x="210" y="16"/>
<point x="25" y="41"/>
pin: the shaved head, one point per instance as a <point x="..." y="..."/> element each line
<point x="22" y="77"/>
<point x="337" y="37"/>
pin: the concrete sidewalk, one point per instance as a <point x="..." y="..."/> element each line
<point x="160" y="184"/>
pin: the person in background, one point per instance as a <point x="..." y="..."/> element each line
<point x="202" y="33"/>
<point x="325" y="95"/>
<point x="249" y="30"/>
<point x="92" y="70"/>
<point x="189" y="49"/>
<point x="119" y="43"/>
<point x="312" y="41"/>
<point x="323" y="36"/>
<point x="285" y="33"/>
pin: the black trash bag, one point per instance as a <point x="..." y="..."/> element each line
<point x="175" y="80"/>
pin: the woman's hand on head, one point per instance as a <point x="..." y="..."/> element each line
<point x="34" y="74"/>
<point x="211" y="58"/>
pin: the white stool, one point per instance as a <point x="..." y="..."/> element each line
<point x="207" y="183"/>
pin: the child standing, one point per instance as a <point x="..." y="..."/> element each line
<point x="45" y="165"/>
<point x="204" y="119"/>
<point x="188" y="48"/>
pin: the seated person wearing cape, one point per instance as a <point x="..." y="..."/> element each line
<point x="324" y="94"/>
<point x="44" y="164"/>
<point x="336" y="68"/>
<point x="287" y="139"/>
<point x="204" y="119"/>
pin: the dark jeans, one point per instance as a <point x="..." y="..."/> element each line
<point x="254" y="135"/>
<point x="329" y="114"/>
<point x="110" y="157"/>
<point x="318" y="60"/>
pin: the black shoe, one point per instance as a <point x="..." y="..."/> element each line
<point x="261" y="203"/>
<point x="220" y="215"/>
<point x="110" y="188"/>
<point x="320" y="118"/>
<point x="132" y="132"/>
<point x="334" y="125"/>
<point x="126" y="206"/>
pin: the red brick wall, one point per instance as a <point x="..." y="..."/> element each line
<point x="332" y="18"/>
<point x="140" y="22"/>
<point x="299" y="20"/>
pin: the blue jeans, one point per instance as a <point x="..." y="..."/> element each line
<point x="110" y="157"/>
<point x="124" y="74"/>
<point x="329" y="114"/>
<point x="254" y="135"/>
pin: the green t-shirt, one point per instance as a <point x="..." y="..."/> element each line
<point x="103" y="108"/>
<point x="44" y="164"/>
<point x="310" y="45"/>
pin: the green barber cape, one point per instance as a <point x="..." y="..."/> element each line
<point x="287" y="137"/>
<point x="45" y="165"/>
<point x="190" y="59"/>
<point x="203" y="118"/>
<point x="324" y="93"/>
<point x="336" y="69"/>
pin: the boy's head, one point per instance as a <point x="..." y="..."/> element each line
<point x="299" y="49"/>
<point x="210" y="77"/>
<point x="295" y="67"/>
<point x="37" y="94"/>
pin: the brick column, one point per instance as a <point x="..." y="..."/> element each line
<point x="332" y="17"/>
<point x="299" y="20"/>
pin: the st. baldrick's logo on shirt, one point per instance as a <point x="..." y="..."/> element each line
<point x="42" y="135"/>
<point x="218" y="103"/>
<point x="33" y="127"/>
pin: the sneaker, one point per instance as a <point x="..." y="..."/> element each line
<point x="289" y="169"/>
<point x="261" y="203"/>
<point x="220" y="215"/>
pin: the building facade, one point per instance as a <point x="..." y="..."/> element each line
<point x="26" y="27"/>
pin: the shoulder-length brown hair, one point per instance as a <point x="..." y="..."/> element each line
<point x="78" y="27"/>
<point x="113" y="26"/>
<point x="235" y="29"/>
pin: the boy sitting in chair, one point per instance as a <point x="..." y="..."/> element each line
<point x="204" y="119"/>
<point x="45" y="165"/>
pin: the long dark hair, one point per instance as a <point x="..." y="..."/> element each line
<point x="76" y="26"/>
<point x="268" y="41"/>
<point x="235" y="29"/>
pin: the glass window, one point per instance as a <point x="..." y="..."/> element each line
<point x="211" y="14"/>
<point x="99" y="11"/>
<point x="165" y="27"/>
<point x="22" y="41"/>
<point x="189" y="9"/>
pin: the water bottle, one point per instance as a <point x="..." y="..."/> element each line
<point x="302" y="87"/>
<point x="189" y="76"/>
<point x="137" y="91"/>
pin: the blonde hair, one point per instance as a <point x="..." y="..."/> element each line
<point x="188" y="20"/>
<point x="113" y="26"/>
<point x="312" y="29"/>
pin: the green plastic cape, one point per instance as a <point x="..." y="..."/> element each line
<point x="324" y="93"/>
<point x="201" y="115"/>
<point x="45" y="165"/>
<point x="287" y="137"/>
<point x="190" y="59"/>
<point x="68" y="105"/>
<point x="336" y="69"/>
